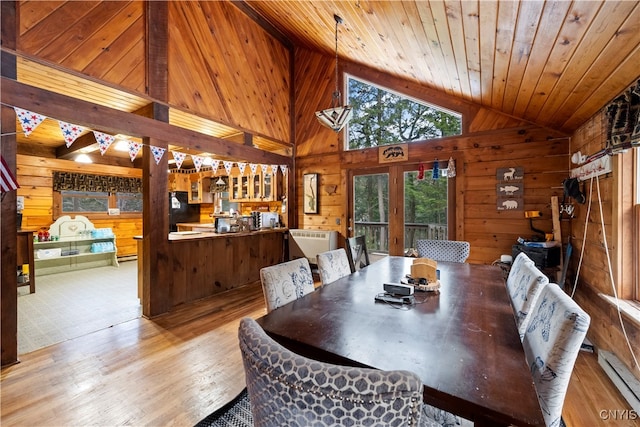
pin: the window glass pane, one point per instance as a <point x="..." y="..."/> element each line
<point x="129" y="202"/>
<point x="425" y="208"/>
<point x="381" y="117"/>
<point x="371" y="210"/>
<point x="84" y="201"/>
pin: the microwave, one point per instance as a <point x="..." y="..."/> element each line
<point x="269" y="219"/>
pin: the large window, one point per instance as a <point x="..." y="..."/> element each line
<point x="382" y="117"/>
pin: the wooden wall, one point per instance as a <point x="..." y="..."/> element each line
<point x="490" y="141"/>
<point x="616" y="191"/>
<point x="35" y="175"/>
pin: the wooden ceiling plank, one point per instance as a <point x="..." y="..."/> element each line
<point x="470" y="13"/>
<point x="455" y="23"/>
<point x="427" y="71"/>
<point x="525" y="31"/>
<point x="33" y="12"/>
<point x="551" y="20"/>
<point x="567" y="41"/>
<point x="488" y="11"/>
<point x="602" y="30"/>
<point x="441" y="22"/>
<point x="505" y="32"/>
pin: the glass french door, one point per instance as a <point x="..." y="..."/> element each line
<point x="393" y="208"/>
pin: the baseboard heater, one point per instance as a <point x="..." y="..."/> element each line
<point x="309" y="243"/>
<point x="624" y="380"/>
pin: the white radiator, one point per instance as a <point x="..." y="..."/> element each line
<point x="309" y="243"/>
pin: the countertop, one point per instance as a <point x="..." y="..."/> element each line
<point x="195" y="235"/>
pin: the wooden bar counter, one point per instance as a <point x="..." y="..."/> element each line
<point x="207" y="263"/>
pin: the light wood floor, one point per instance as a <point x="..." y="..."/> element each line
<point x="176" y="369"/>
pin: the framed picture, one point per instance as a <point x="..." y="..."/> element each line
<point x="310" y="193"/>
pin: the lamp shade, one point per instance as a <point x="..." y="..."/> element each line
<point x="335" y="118"/>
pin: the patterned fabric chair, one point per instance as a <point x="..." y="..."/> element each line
<point x="286" y="282"/>
<point x="524" y="284"/>
<point x="443" y="250"/>
<point x="357" y="253"/>
<point x="287" y="389"/>
<point x="551" y="344"/>
<point x="332" y="265"/>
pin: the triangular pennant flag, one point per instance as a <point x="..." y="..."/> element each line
<point x="197" y="161"/>
<point x="157" y="152"/>
<point x="103" y="140"/>
<point x="134" y="148"/>
<point x="179" y="158"/>
<point x="7" y="181"/>
<point x="28" y="120"/>
<point x="283" y="169"/>
<point x="70" y="132"/>
<point x="264" y="169"/>
<point x="253" y="167"/>
<point x="241" y="167"/>
<point x="214" y="166"/>
<point x="274" y="169"/>
<point x="451" y="168"/>
<point x="227" y="166"/>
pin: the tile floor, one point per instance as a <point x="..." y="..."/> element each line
<point x="71" y="304"/>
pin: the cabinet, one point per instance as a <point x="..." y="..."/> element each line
<point x="253" y="188"/>
<point x="179" y="182"/>
<point x="79" y="246"/>
<point x="200" y="189"/>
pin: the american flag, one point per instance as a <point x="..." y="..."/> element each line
<point x="7" y="180"/>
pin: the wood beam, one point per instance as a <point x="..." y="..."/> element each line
<point x="94" y="116"/>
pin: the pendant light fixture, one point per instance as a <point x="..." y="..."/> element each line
<point x="337" y="116"/>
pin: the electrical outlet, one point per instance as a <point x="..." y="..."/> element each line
<point x="337" y="221"/>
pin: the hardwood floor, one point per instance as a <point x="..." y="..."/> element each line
<point x="176" y="369"/>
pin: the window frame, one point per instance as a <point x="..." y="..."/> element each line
<point x="112" y="204"/>
<point x="346" y="76"/>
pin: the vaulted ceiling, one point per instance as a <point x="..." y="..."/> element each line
<point x="554" y="63"/>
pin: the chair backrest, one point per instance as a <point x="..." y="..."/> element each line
<point x="288" y="389"/>
<point x="357" y="252"/>
<point x="332" y="265"/>
<point x="443" y="250"/>
<point x="286" y="282"/>
<point x="551" y="345"/>
<point x="524" y="283"/>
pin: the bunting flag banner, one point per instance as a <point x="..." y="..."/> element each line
<point x="214" y="166"/>
<point x="134" y="149"/>
<point x="157" y="152"/>
<point x="283" y="169"/>
<point x="7" y="181"/>
<point x="242" y="166"/>
<point x="253" y="167"/>
<point x="227" y="166"/>
<point x="179" y="158"/>
<point x="70" y="132"/>
<point x="436" y="170"/>
<point x="28" y="120"/>
<point x="103" y="140"/>
<point x="274" y="169"/>
<point x="197" y="161"/>
<point x="264" y="169"/>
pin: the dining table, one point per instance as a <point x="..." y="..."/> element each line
<point x="461" y="340"/>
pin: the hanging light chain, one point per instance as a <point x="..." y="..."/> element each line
<point x="336" y="94"/>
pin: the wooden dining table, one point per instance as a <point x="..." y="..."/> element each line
<point x="461" y="340"/>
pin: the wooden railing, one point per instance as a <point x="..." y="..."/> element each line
<point x="376" y="234"/>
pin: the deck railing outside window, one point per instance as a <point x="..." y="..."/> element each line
<point x="376" y="234"/>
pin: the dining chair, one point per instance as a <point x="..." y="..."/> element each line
<point x="357" y="252"/>
<point x="551" y="345"/>
<point x="332" y="265"/>
<point x="288" y="389"/>
<point x="443" y="250"/>
<point x="524" y="283"/>
<point x="286" y="282"/>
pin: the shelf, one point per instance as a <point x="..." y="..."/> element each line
<point x="84" y="254"/>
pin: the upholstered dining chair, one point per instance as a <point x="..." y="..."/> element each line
<point x="286" y="282"/>
<point x="524" y="283"/>
<point x="332" y="265"/>
<point x="551" y="345"/>
<point x="443" y="250"/>
<point x="357" y="252"/>
<point x="288" y="389"/>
